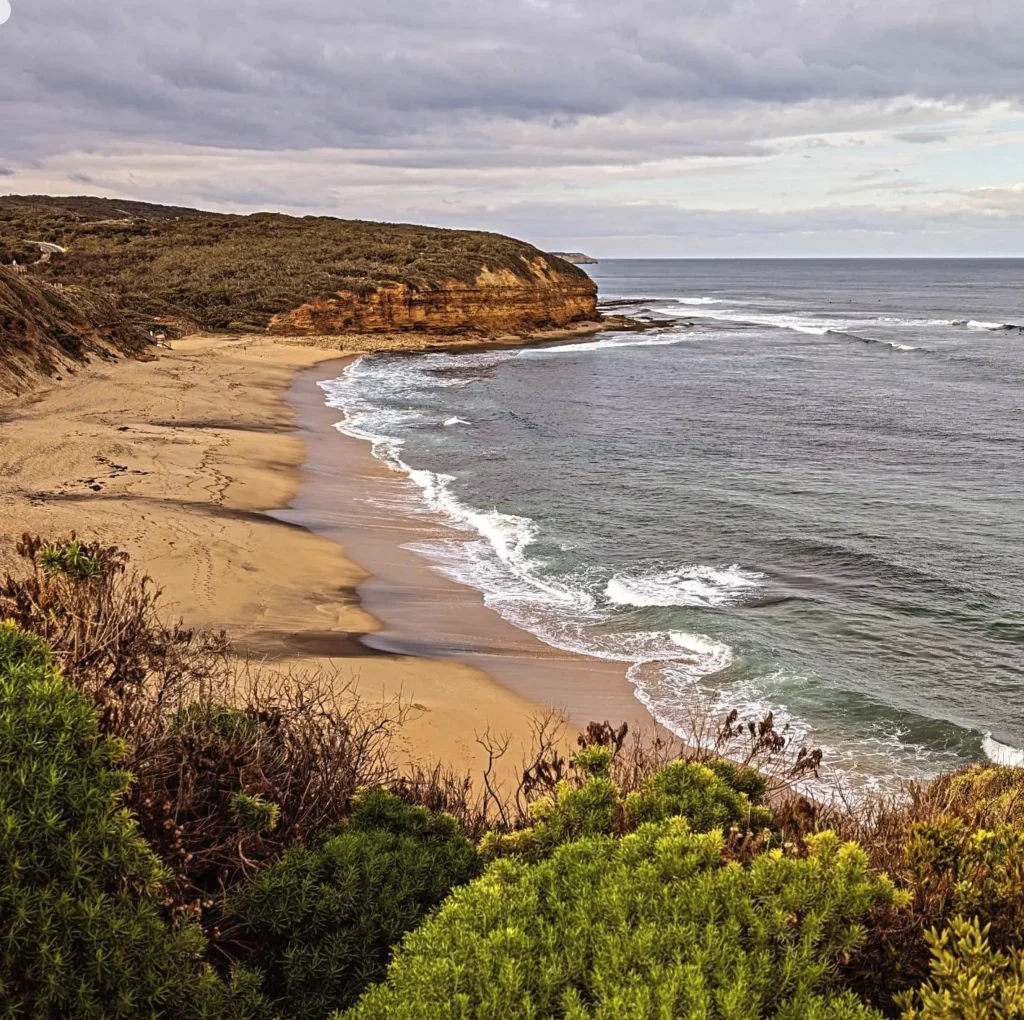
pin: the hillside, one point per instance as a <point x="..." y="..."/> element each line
<point x="48" y="329"/>
<point x="293" y="275"/>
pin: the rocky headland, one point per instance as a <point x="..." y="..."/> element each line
<point x="184" y="270"/>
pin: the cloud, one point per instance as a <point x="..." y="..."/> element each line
<point x="921" y="137"/>
<point x="456" y="107"/>
<point x="315" y="73"/>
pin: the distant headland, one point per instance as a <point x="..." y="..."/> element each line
<point x="576" y="258"/>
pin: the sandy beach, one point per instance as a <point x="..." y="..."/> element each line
<point x="216" y="466"/>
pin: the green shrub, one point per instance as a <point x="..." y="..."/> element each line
<point x="594" y="760"/>
<point x="593" y="809"/>
<point x="660" y="923"/>
<point x="81" y="934"/>
<point x="700" y="793"/>
<point x="322" y="921"/>
<point x="739" y="778"/>
<point x="253" y="813"/>
<point x="969" y="980"/>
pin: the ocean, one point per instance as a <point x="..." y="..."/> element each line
<point x="800" y="489"/>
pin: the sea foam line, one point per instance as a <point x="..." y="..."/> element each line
<point x="666" y="667"/>
<point x="798" y="324"/>
<point x="497" y="562"/>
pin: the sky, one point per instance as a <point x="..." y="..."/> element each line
<point x="622" y="128"/>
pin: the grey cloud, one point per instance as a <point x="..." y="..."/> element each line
<point x="920" y="137"/>
<point x="865" y="230"/>
<point x="318" y="73"/>
<point x="80" y="178"/>
<point x="6" y="171"/>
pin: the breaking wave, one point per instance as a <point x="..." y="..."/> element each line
<point x="495" y="555"/>
<point x="1002" y="754"/>
<point x="692" y="585"/>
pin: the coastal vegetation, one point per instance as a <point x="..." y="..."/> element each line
<point x="185" y="836"/>
<point x="48" y="329"/>
<point x="185" y="269"/>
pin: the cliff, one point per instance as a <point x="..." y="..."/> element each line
<point x="294" y="275"/>
<point x="47" y="330"/>
<point x="492" y="303"/>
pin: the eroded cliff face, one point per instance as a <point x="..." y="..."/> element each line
<point x="496" y="302"/>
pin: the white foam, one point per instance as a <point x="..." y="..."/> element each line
<point x="608" y="343"/>
<point x="801" y="324"/>
<point x="494" y="552"/>
<point x="1002" y="754"/>
<point x="690" y="585"/>
<point x="456" y="421"/>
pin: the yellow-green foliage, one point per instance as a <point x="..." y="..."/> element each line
<point x="969" y="979"/>
<point x="700" y="793"/>
<point x="322" y="921"/>
<point x="80" y="928"/>
<point x="987" y="795"/>
<point x="659" y="923"/>
<point x="956" y="869"/>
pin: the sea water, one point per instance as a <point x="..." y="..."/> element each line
<point x="799" y="489"/>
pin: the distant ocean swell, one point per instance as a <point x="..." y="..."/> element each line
<point x="673" y="309"/>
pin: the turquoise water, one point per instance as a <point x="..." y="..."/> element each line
<point x="802" y="489"/>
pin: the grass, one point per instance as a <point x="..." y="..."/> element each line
<point x="44" y="329"/>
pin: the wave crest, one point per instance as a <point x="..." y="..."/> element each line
<point x="690" y="585"/>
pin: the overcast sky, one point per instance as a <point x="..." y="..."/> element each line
<point x="619" y="127"/>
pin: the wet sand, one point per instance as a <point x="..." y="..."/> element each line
<point x="349" y="496"/>
<point x="180" y="460"/>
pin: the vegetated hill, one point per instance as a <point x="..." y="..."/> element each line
<point x="46" y="329"/>
<point x="294" y="275"/>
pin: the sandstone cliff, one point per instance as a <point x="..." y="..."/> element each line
<point x="494" y="302"/>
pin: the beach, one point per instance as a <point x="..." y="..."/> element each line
<point x="193" y="463"/>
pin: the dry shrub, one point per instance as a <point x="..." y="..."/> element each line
<point x="232" y="763"/>
<point x="249" y="764"/>
<point x="956" y="846"/>
<point x="101" y="619"/>
<point x="443" y="789"/>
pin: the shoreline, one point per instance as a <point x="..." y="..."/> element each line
<point x="181" y="461"/>
<point x="422" y="612"/>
